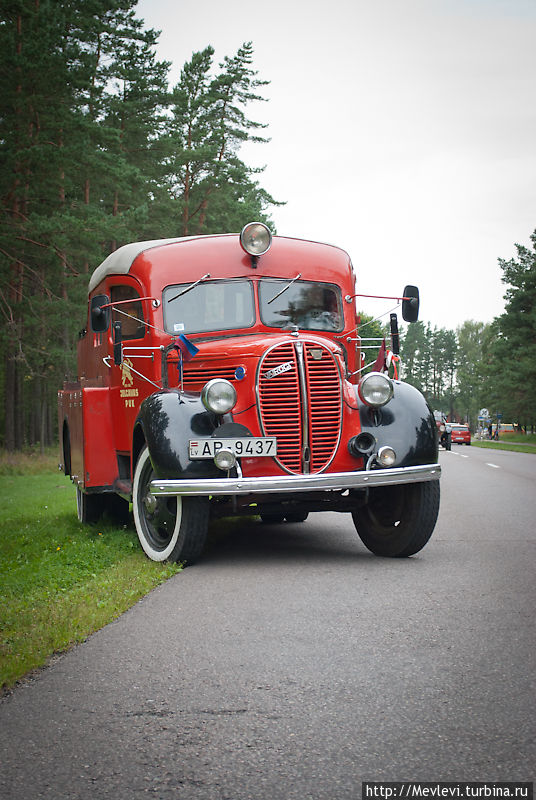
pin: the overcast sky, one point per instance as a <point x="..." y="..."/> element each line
<point x="403" y="131"/>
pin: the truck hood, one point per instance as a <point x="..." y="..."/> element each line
<point x="253" y="345"/>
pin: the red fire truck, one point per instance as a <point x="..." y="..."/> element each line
<point x="225" y="375"/>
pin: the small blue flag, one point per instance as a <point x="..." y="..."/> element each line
<point x="186" y="347"/>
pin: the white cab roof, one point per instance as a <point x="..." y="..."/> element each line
<point x="120" y="261"/>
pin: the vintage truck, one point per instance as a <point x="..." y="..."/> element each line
<point x="224" y="375"/>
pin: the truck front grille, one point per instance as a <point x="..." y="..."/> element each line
<point x="300" y="402"/>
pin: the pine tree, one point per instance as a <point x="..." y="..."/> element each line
<point x="512" y="369"/>
<point x="95" y="152"/>
<point x="70" y="180"/>
<point x="414" y="354"/>
<point x="215" y="189"/>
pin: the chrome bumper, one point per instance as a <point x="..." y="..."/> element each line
<point x="334" y="481"/>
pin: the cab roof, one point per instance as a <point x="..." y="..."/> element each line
<point x="121" y="260"/>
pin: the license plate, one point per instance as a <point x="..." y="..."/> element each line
<point x="247" y="446"/>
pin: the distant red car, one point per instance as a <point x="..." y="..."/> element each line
<point x="460" y="434"/>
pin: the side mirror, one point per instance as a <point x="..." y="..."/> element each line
<point x="118" y="344"/>
<point x="410" y="304"/>
<point x="99" y="317"/>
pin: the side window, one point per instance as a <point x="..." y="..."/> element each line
<point x="129" y="314"/>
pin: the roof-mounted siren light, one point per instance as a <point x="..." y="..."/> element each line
<point x="410" y="304"/>
<point x="256" y="240"/>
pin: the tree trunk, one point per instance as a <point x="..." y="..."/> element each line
<point x="19" y="410"/>
<point x="9" y="394"/>
<point x="43" y="417"/>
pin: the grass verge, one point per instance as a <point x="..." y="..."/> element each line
<point x="59" y="580"/>
<point x="515" y="442"/>
<point x="503" y="445"/>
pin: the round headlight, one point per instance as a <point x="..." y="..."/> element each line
<point x="256" y="238"/>
<point x="376" y="389"/>
<point x="219" y="396"/>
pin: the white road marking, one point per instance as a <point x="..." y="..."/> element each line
<point x="492" y="465"/>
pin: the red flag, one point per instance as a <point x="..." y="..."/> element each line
<point x="380" y="365"/>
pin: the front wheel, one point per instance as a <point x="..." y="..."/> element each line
<point x="169" y="528"/>
<point x="398" y="520"/>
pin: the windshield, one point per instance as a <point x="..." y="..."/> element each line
<point x="309" y="305"/>
<point x="209" y="306"/>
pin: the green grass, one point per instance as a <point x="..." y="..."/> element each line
<point x="521" y="438"/>
<point x="515" y="442"/>
<point x="503" y="445"/>
<point x="59" y="580"/>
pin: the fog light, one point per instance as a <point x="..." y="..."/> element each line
<point x="218" y="395"/>
<point x="225" y="460"/>
<point x="386" y="456"/>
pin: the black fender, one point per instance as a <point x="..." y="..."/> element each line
<point x="169" y="419"/>
<point x="406" y="423"/>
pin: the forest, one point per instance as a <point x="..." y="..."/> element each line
<point x="97" y="150"/>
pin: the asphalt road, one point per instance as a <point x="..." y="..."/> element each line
<point x="290" y="663"/>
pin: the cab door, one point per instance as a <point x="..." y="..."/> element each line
<point x="133" y="379"/>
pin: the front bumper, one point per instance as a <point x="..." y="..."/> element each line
<point x="335" y="481"/>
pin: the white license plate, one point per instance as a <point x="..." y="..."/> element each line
<point x="247" y="446"/>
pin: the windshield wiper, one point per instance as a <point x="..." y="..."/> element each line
<point x="284" y="289"/>
<point x="191" y="286"/>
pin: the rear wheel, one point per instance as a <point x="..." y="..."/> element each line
<point x="66" y="450"/>
<point x="398" y="520"/>
<point x="169" y="528"/>
<point x="118" y="509"/>
<point x="89" y="507"/>
<point x="92" y="507"/>
<point x="272" y="518"/>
